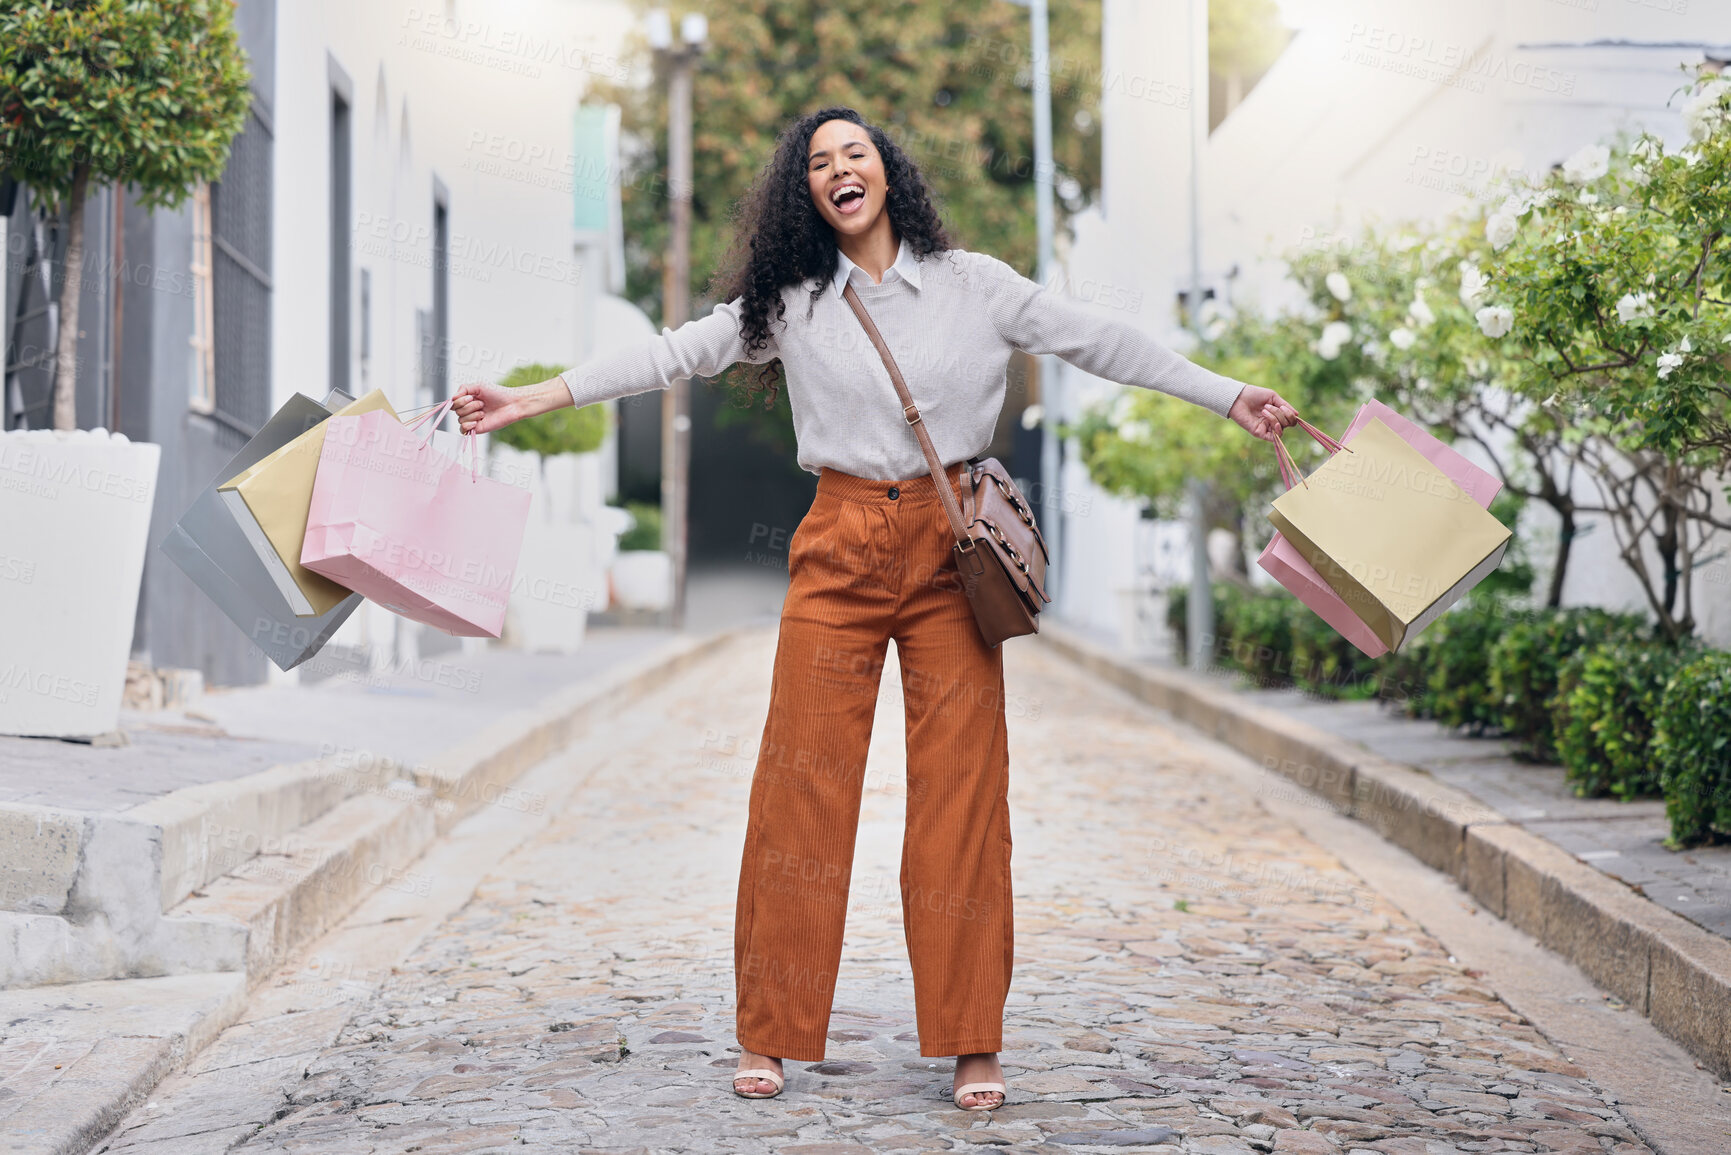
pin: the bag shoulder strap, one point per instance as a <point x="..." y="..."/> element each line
<point x="911" y="414"/>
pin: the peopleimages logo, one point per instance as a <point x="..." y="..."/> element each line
<point x="56" y="686"/>
<point x="23" y="461"/>
<point x="469" y="571"/>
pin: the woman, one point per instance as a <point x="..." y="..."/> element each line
<point x="841" y="204"/>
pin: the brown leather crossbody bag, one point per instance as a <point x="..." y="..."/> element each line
<point x="998" y="549"/>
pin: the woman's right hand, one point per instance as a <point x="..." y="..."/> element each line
<point x="482" y="407"/>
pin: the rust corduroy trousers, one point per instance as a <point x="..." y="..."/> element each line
<point x="872" y="561"/>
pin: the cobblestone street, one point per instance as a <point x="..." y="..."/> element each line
<point x="1193" y="975"/>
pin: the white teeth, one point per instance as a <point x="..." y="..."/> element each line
<point x="857" y="187"/>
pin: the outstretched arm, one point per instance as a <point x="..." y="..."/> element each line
<point x="701" y="347"/>
<point x="1038" y="320"/>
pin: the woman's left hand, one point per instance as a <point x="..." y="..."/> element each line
<point x="1262" y="412"/>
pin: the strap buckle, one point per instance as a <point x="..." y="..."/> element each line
<point x="916" y="414"/>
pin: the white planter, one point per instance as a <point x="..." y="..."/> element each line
<point x="557" y="583"/>
<point x="75" y="508"/>
<point x="643" y="579"/>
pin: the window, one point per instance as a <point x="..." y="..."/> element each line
<point x="441" y="383"/>
<point x="340" y="248"/>
<point x="203" y="308"/>
<point x="236" y="313"/>
<point x="366" y="323"/>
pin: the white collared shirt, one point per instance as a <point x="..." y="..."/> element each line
<point x="952" y="338"/>
<point x="905" y="267"/>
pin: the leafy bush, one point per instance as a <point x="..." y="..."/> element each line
<point x="1257" y="629"/>
<point x="646" y="534"/>
<point x="1693" y="749"/>
<point x="564" y="430"/>
<point x="1178" y="618"/>
<point x="1607" y="697"/>
<point x="1326" y="664"/>
<point x="1445" y="671"/>
<point x="1527" y="660"/>
<point x="1178" y="621"/>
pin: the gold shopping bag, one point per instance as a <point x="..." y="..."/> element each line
<point x="270" y="499"/>
<point x="1391" y="533"/>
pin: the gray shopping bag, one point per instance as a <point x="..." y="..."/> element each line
<point x="210" y="547"/>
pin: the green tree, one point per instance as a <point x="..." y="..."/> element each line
<point x="146" y="92"/>
<point x="1612" y="280"/>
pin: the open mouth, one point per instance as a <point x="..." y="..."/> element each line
<point x="848" y="198"/>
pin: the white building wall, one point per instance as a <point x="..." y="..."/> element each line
<point x="476" y="95"/>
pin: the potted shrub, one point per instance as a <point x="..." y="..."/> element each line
<point x="149" y="95"/>
<point x="643" y="571"/>
<point x="561" y="573"/>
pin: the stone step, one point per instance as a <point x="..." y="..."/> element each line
<point x="86" y="895"/>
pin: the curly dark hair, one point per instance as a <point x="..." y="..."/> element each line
<point x="780" y="238"/>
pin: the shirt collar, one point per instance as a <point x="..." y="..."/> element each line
<point x="905" y="267"/>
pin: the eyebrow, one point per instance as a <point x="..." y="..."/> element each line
<point x="825" y="151"/>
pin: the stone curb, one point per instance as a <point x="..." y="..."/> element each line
<point x="115" y="1074"/>
<point x="1657" y="962"/>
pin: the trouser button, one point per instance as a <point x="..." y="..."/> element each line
<point x="894" y="492"/>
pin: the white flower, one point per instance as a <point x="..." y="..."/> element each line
<point x="1588" y="164"/>
<point x="1632" y="305"/>
<point x="1420" y="312"/>
<point x="1588" y="198"/>
<point x="1495" y="320"/>
<point x="1402" y="338"/>
<point x="1516" y="203"/>
<point x="1339" y="286"/>
<point x="1702" y="109"/>
<point x="1473" y="283"/>
<point x="1216" y="329"/>
<point x="1334" y="335"/>
<point x="1685" y="347"/>
<point x="1032" y="415"/>
<point x="1500" y="229"/>
<point x="1668" y="362"/>
<point x="1423" y="384"/>
<point x="1134" y="431"/>
<point x="1549" y="402"/>
<point x="1374" y="351"/>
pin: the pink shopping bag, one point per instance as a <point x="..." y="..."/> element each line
<point x="1288" y="567"/>
<point x="397" y="521"/>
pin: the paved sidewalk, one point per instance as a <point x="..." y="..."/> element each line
<point x="409" y="712"/>
<point x="1624" y="840"/>
<point x="1193" y="974"/>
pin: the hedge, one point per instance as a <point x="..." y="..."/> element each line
<point x="1692" y="746"/>
<point x="1526" y="661"/>
<point x="1607" y="699"/>
<point x="1626" y="713"/>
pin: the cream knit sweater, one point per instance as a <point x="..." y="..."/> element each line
<point x="952" y="336"/>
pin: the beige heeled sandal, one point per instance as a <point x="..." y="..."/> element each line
<point x="980" y="1088"/>
<point x="757" y="1073"/>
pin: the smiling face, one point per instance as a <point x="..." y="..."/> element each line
<point x="846" y="176"/>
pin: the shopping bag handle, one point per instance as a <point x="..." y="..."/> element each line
<point x="470" y="441"/>
<point x="1289" y="471"/>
